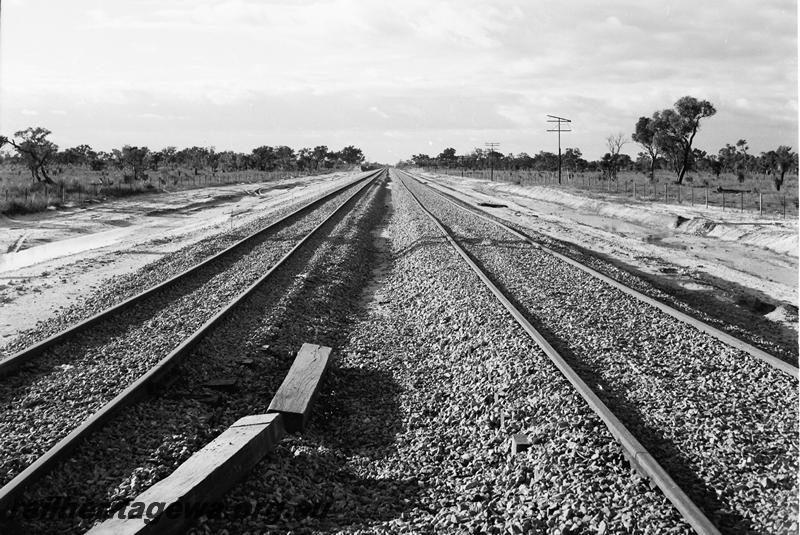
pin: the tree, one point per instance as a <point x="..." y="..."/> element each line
<point x="447" y="157"/>
<point x="734" y="158"/>
<point x="573" y="160"/>
<point x="351" y="155"/>
<point x="264" y="157"/>
<point x="36" y="150"/>
<point x="80" y="155"/>
<point x="524" y="161"/>
<point x="332" y="159"/>
<point x="716" y="165"/>
<point x="780" y="161"/>
<point x="421" y="160"/>
<point x="194" y="157"/>
<point x="624" y="162"/>
<point x="227" y="160"/>
<point x="168" y="155"/>
<point x="676" y="129"/>
<point x="646" y="135"/>
<point x="100" y="162"/>
<point x="545" y="161"/>
<point x="305" y="158"/>
<point x="284" y="157"/>
<point x="727" y="157"/>
<point x="213" y="159"/>
<point x="136" y="158"/>
<point x="319" y="154"/>
<point x="474" y="160"/>
<point x="614" y="143"/>
<point x="701" y="159"/>
<point x="116" y="159"/>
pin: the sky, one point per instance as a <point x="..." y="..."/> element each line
<point x="396" y="77"/>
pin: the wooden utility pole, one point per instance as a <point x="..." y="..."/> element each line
<point x="560" y="121"/>
<point x="491" y="146"/>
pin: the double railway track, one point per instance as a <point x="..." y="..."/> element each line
<point x="621" y="361"/>
<point x="701" y="414"/>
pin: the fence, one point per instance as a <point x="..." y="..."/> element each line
<point x="767" y="204"/>
<point x="38" y="196"/>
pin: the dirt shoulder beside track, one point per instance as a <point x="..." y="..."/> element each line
<point x="64" y="255"/>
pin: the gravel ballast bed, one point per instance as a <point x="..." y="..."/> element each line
<point x="410" y="433"/>
<point x="748" y="326"/>
<point x="71" y="381"/>
<point x="724" y="424"/>
<point x="120" y="288"/>
<point x="304" y="301"/>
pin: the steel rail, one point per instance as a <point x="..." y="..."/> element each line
<point x="139" y="389"/>
<point x="638" y="454"/>
<point x="14" y="361"/>
<point x="700" y="325"/>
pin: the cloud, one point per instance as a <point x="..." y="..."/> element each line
<point x="439" y="68"/>
<point x="376" y="110"/>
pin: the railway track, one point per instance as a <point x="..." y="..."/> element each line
<point x="24" y="357"/>
<point x="722" y="331"/>
<point x="120" y="355"/>
<point x="684" y="424"/>
<point x="712" y="426"/>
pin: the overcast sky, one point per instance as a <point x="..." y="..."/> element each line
<point x="393" y="77"/>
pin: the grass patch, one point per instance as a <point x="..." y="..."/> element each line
<point x="76" y="185"/>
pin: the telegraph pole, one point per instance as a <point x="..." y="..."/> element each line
<point x="560" y="121"/>
<point x="491" y="146"/>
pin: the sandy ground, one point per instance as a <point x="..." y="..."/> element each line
<point x="698" y="249"/>
<point x="64" y="254"/>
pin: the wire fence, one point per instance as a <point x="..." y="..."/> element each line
<point x="16" y="198"/>
<point x="778" y="205"/>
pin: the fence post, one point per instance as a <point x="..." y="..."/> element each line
<point x="741" y="201"/>
<point x="706" y="196"/>
<point x="634" y="191"/>
<point x="760" y="203"/>
<point x="691" y="194"/>
<point x="784" y="206"/>
<point x="665" y="193"/>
